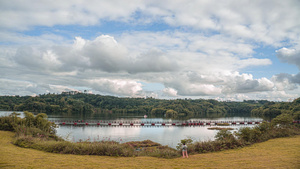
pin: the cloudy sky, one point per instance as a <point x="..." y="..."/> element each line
<point x="224" y="50"/>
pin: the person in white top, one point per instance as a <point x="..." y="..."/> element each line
<point x="184" y="151"/>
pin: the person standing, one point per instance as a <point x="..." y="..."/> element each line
<point x="184" y="151"/>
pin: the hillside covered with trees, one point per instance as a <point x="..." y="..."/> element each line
<point x="81" y="103"/>
<point x="277" y="108"/>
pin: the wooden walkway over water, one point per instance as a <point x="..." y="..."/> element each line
<point x="154" y="123"/>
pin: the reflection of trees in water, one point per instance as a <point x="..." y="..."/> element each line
<point x="138" y="117"/>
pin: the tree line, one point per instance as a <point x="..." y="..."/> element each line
<point x="82" y="103"/>
<point x="278" y="108"/>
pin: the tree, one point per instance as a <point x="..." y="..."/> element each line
<point x="283" y="119"/>
<point x="29" y="119"/>
<point x="171" y="113"/>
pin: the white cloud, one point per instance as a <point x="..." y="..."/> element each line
<point x="170" y="92"/>
<point x="123" y="87"/>
<point x="14" y="38"/>
<point x="18" y="15"/>
<point x="245" y="83"/>
<point x="193" y="84"/>
<point x="291" y="56"/>
<point x="102" y="53"/>
<point x="253" y="62"/>
<point x="281" y="95"/>
<point x="203" y="51"/>
<point x="20" y="87"/>
<point x="268" y="21"/>
<point x="36" y="59"/>
<point x="286" y="81"/>
<point x="235" y="97"/>
<point x="214" y="53"/>
<point x="268" y="95"/>
<point x="194" y="73"/>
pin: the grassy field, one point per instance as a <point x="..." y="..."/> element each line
<point x="276" y="153"/>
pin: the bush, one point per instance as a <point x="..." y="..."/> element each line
<point x="171" y="113"/>
<point x="224" y="140"/>
<point x="14" y="123"/>
<point x="82" y="148"/>
<point x="159" y="151"/>
<point x="187" y="142"/>
<point x="281" y="126"/>
<point x="224" y="135"/>
<point x="246" y="136"/>
<point x="24" y="141"/>
<point x="8" y="123"/>
<point x="282" y="120"/>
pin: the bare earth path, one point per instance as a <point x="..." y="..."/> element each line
<point x="276" y="153"/>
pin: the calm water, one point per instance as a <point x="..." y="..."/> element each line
<point x="165" y="135"/>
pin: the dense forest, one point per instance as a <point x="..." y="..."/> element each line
<point x="277" y="108"/>
<point x="82" y="103"/>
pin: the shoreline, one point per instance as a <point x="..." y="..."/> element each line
<point x="281" y="153"/>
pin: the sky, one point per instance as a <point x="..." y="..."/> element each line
<point x="171" y="49"/>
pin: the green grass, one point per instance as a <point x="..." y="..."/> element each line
<point x="275" y="153"/>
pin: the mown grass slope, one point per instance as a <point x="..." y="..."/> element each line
<point x="275" y="153"/>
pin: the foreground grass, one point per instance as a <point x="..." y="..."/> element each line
<point x="276" y="153"/>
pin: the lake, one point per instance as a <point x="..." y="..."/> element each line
<point x="165" y="135"/>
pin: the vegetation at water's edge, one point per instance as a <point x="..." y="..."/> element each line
<point x="38" y="133"/>
<point x="80" y="103"/>
<point x="283" y="152"/>
<point x="281" y="126"/>
<point x="275" y="109"/>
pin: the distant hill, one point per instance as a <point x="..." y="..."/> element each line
<point x="82" y="103"/>
<point x="277" y="108"/>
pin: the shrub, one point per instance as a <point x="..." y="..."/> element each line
<point x="8" y="123"/>
<point x="187" y="141"/>
<point x="202" y="147"/>
<point x="224" y="135"/>
<point x="244" y="134"/>
<point x="38" y="123"/>
<point x="282" y="120"/>
<point x="171" y="113"/>
<point x="24" y="141"/>
<point x="281" y="126"/>
<point x="145" y="143"/>
<point x="160" y="152"/>
<point x="224" y="140"/>
<point x="82" y="148"/>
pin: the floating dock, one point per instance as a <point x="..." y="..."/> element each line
<point x="154" y="123"/>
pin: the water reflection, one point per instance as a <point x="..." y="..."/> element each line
<point x="165" y="135"/>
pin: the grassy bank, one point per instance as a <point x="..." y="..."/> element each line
<point x="275" y="153"/>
